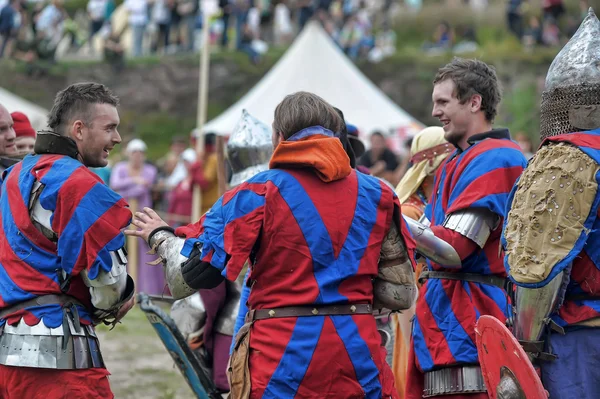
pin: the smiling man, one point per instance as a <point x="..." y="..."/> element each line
<point x="62" y="263"/>
<point x="466" y="210"/>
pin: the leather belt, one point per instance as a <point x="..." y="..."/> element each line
<point x="51" y="299"/>
<point x="453" y="380"/>
<point x="303" y="311"/>
<point x="471" y="277"/>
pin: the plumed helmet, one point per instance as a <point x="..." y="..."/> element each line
<point x="249" y="148"/>
<point x="571" y="97"/>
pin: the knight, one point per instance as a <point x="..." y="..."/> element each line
<point x="207" y="317"/>
<point x="552" y="232"/>
<point x="318" y="261"/>
<point x="62" y="257"/>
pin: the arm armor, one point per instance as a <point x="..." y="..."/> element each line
<point x="533" y="308"/>
<point x="394" y="287"/>
<point x="168" y="247"/>
<point x="474" y="223"/>
<point x="432" y="247"/>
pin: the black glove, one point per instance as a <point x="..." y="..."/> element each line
<point x="200" y="275"/>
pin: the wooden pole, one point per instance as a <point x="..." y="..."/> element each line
<point x="202" y="107"/>
<point x="221" y="178"/>
<point x="133" y="246"/>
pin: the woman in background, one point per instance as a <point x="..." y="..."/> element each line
<point x="428" y="151"/>
<point x="133" y="180"/>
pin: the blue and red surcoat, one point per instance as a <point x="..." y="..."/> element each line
<point x="310" y="242"/>
<point x="87" y="219"/>
<point x="447" y="310"/>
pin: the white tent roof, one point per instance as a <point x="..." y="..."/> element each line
<point x="314" y="63"/>
<point x="37" y="115"/>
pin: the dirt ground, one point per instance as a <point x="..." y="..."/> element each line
<point x="139" y="364"/>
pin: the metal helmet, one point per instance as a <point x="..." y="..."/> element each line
<point x="249" y="148"/>
<point x="571" y="97"/>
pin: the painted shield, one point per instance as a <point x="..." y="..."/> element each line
<point x="193" y="368"/>
<point x="506" y="368"/>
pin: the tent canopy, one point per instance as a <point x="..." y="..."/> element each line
<point x="37" y="115"/>
<point x="314" y="63"/>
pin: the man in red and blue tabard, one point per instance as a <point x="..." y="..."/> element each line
<point x="326" y="245"/>
<point x="466" y="210"/>
<point x="552" y="232"/>
<point x="62" y="262"/>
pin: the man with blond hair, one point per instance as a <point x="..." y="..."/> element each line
<point x="326" y="245"/>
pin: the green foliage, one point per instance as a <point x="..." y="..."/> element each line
<point x="520" y="111"/>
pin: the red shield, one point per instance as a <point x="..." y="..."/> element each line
<point x="506" y="368"/>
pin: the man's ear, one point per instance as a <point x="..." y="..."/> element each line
<point x="476" y="103"/>
<point x="76" y="130"/>
<point x="280" y="135"/>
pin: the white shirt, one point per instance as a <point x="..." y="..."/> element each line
<point x="138" y="12"/>
<point x="97" y="9"/>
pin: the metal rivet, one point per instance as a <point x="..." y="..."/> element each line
<point x="550" y="210"/>
<point x="562" y="185"/>
<point x="568" y="183"/>
<point x="580" y="168"/>
<point x="574" y="214"/>
<point x="315" y="311"/>
<point x="553" y="177"/>
<point x="559" y="237"/>
<point x="552" y="240"/>
<point x="581" y="190"/>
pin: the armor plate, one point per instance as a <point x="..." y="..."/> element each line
<point x="474" y="223"/>
<point x="553" y="198"/>
<point x="433" y="247"/>
<point x="506" y="369"/>
<point x="43" y="347"/>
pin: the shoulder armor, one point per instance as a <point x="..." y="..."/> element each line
<point x="552" y="201"/>
<point x="474" y="223"/>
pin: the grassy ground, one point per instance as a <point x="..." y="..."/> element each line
<point x="139" y="363"/>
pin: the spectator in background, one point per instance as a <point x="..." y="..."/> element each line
<point x="533" y="34"/>
<point x="138" y="19"/>
<point x="25" y="133"/>
<point x="240" y="10"/>
<point x="96" y="10"/>
<point x="282" y="24"/>
<point x="161" y="16"/>
<point x="443" y="39"/>
<point x="525" y="144"/>
<point x="204" y="172"/>
<point x="8" y="14"/>
<point x="553" y="9"/>
<point x="514" y="17"/>
<point x="114" y="52"/>
<point x="49" y="24"/>
<point x="181" y="198"/>
<point x="226" y="8"/>
<point x="133" y="180"/>
<point x="306" y="11"/>
<point x="246" y="44"/>
<point x="379" y="159"/>
<point x="551" y="33"/>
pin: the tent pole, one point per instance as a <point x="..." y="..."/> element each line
<point x="202" y="107"/>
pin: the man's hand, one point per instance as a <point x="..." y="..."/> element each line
<point x="146" y="222"/>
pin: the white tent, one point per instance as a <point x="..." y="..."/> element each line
<point x="314" y="63"/>
<point x="37" y="115"/>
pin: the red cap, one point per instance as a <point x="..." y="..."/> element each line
<point x="22" y="125"/>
